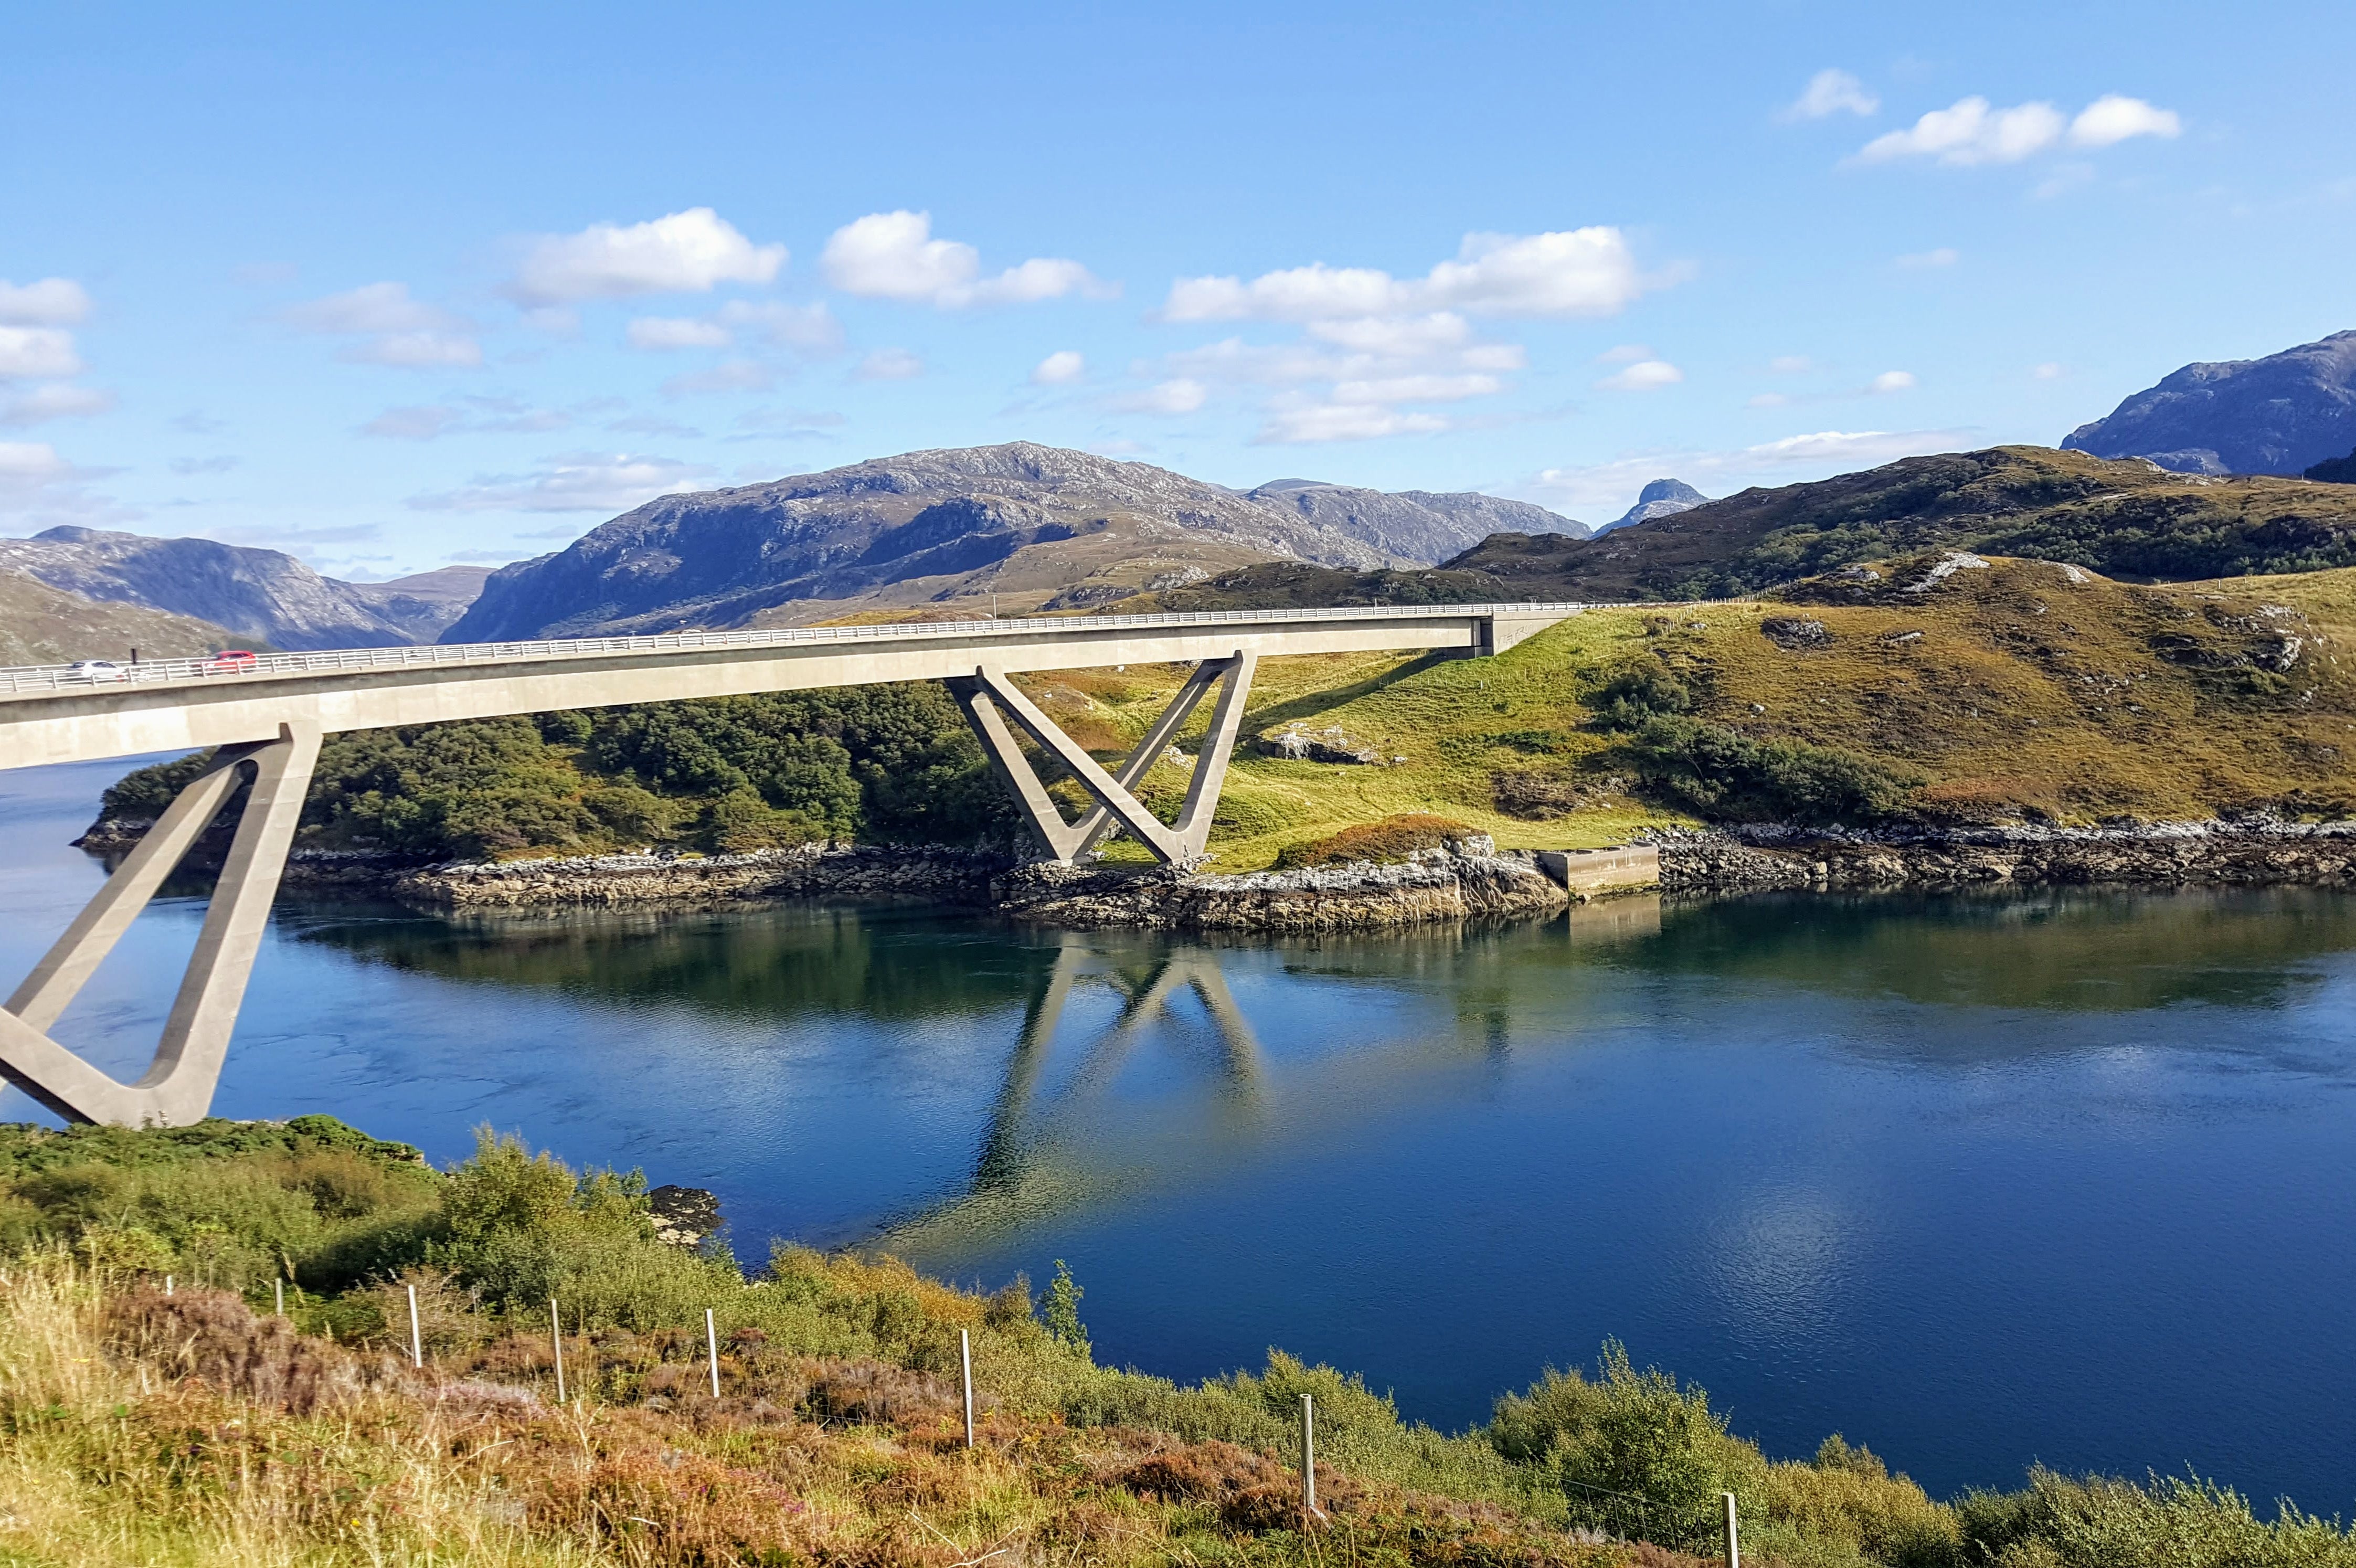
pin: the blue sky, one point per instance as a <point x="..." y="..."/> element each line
<point x="394" y="287"/>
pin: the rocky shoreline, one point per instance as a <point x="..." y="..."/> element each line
<point x="1469" y="881"/>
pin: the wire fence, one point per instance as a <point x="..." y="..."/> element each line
<point x="42" y="678"/>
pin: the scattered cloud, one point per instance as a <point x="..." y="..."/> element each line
<point x="189" y="466"/>
<point x="1061" y="368"/>
<point x="1179" y="394"/>
<point x="51" y="301"/>
<point x="685" y="252"/>
<point x="677" y="332"/>
<point x="583" y="481"/>
<point x="469" y="416"/>
<point x="1625" y="354"/>
<point x="55" y="401"/>
<point x="2113" y="118"/>
<point x="37" y="353"/>
<point x="39" y="486"/>
<point x="788" y="424"/>
<point x="1818" y="454"/>
<point x="1645" y="375"/>
<point x="196" y="422"/>
<point x="893" y="255"/>
<point x="1578" y="272"/>
<point x="1831" y="92"/>
<point x="1791" y="364"/>
<point x="1310" y="423"/>
<point x="2047" y="371"/>
<point x="1944" y="256"/>
<point x="1767" y="400"/>
<point x="1970" y="131"/>
<point x="890" y="365"/>
<point x="393" y="328"/>
<point x="1425" y="388"/>
<point x="653" y="424"/>
<point x="808" y="329"/>
<point x="1894" y="381"/>
<point x="728" y="376"/>
<point x="2062" y="178"/>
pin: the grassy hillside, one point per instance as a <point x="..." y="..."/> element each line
<point x="182" y="1422"/>
<point x="41" y="625"/>
<point x="2126" y="519"/>
<point x="2015" y="691"/>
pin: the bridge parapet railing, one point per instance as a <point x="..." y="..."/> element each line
<point x="53" y="678"/>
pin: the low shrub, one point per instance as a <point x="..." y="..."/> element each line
<point x="1387" y="841"/>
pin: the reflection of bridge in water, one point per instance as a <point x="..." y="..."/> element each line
<point x="1056" y="1142"/>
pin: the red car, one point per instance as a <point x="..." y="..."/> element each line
<point x="229" y="662"/>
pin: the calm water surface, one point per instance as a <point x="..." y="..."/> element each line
<point x="1978" y="1181"/>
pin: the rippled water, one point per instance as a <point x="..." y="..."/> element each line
<point x="1978" y="1181"/>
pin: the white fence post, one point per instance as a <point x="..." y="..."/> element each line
<point x="712" y="1343"/>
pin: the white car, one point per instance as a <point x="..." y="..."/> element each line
<point x="96" y="669"/>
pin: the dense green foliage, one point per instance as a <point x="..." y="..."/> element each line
<point x="1630" y="1451"/>
<point x="1721" y="774"/>
<point x="893" y="764"/>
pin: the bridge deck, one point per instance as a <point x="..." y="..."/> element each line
<point x="46" y="716"/>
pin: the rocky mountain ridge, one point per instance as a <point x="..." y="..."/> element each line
<point x="2280" y="415"/>
<point x="1020" y="526"/>
<point x="1662" y="498"/>
<point x="262" y="595"/>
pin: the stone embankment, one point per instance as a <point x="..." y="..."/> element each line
<point x="2246" y="853"/>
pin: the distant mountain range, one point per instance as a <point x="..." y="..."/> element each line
<point x="2123" y="518"/>
<point x="1021" y="526"/>
<point x="259" y="595"/>
<point x="2281" y="415"/>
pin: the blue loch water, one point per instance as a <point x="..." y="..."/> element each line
<point x="2065" y="1176"/>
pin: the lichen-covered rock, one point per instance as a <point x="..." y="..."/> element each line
<point x="1298" y="743"/>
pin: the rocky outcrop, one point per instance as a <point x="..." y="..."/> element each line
<point x="1433" y="885"/>
<point x="2276" y="416"/>
<point x="2252" y="852"/>
<point x="933" y="873"/>
<point x="1298" y="743"/>
<point x="1662" y="498"/>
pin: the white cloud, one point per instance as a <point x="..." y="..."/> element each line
<point x="1819" y="453"/>
<point x="396" y="329"/>
<point x="31" y="463"/>
<point x="893" y="255"/>
<point x="51" y="301"/>
<point x="890" y="365"/>
<point x="1625" y="354"/>
<point x="685" y="252"/>
<point x="1417" y="389"/>
<point x="806" y="328"/>
<point x="1894" y="381"/>
<point x="587" y="481"/>
<point x="38" y="484"/>
<point x="659" y="332"/>
<point x="1061" y="368"/>
<point x="1944" y="256"/>
<point x="728" y="376"/>
<point x="1969" y="132"/>
<point x="55" y="401"/>
<point x="1830" y="92"/>
<point x="1314" y="422"/>
<point x="1396" y="336"/>
<point x="415" y="424"/>
<point x="30" y="353"/>
<point x="416" y="350"/>
<point x="371" y="307"/>
<point x="1645" y="375"/>
<point x="1181" y="395"/>
<point x="1578" y="272"/>
<point x="2048" y="372"/>
<point x="1791" y="364"/>
<point x="2112" y="118"/>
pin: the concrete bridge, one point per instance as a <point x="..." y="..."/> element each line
<point x="267" y="717"/>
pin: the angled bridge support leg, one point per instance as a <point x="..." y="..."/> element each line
<point x="177" y="1086"/>
<point x="989" y="699"/>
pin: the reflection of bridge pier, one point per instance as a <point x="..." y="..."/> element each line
<point x="270" y="713"/>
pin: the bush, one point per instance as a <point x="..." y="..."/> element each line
<point x="1723" y="774"/>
